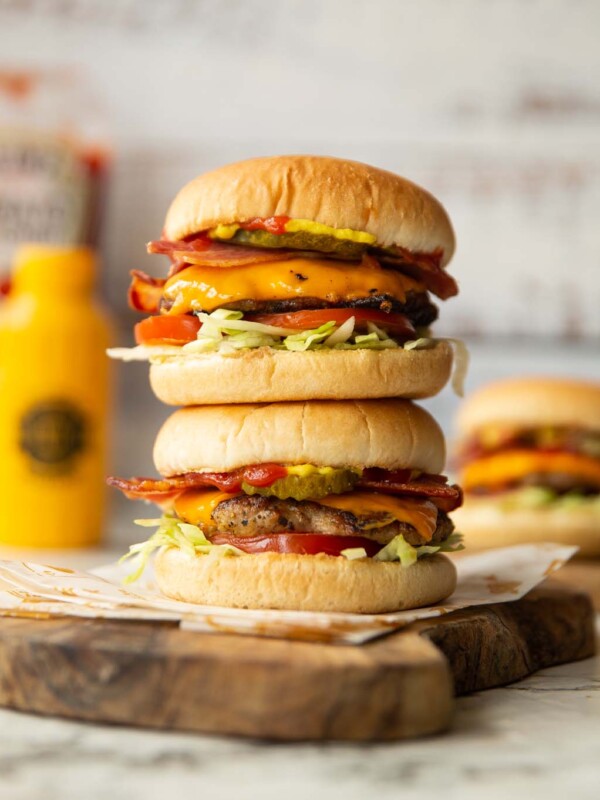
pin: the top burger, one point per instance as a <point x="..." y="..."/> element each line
<point x="296" y="277"/>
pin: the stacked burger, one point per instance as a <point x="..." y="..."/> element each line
<point x="293" y="325"/>
<point x="529" y="460"/>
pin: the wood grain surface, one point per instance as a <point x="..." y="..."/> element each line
<point x="396" y="687"/>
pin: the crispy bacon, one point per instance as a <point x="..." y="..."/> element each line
<point x="145" y="292"/>
<point x="165" y="247"/>
<point x="424" y="267"/>
<point x="165" y="489"/>
<point x="435" y="487"/>
<point x="204" y="252"/>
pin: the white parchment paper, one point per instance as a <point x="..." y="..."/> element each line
<point x="42" y="591"/>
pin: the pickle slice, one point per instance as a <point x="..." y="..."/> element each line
<point x="302" y="240"/>
<point x="308" y="483"/>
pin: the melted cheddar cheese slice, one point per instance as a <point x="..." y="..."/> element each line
<point x="421" y="514"/>
<point x="207" y="288"/>
<point x="197" y="505"/>
<point x="511" y="465"/>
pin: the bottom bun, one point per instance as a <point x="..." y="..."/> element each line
<point x="304" y="583"/>
<point x="485" y="524"/>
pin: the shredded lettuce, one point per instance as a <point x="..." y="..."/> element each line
<point x="341" y="334"/>
<point x="407" y="554"/>
<point x="573" y="501"/>
<point x="540" y="497"/>
<point x="223" y="321"/>
<point x="227" y="331"/>
<point x="306" y="340"/>
<point x="367" y="344"/>
<point x="529" y="497"/>
<point x="400" y="550"/>
<point x="173" y="533"/>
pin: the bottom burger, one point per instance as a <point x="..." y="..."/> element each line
<point x="316" y="506"/>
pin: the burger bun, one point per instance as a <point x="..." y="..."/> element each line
<point x="304" y="583"/>
<point x="485" y="524"/>
<point x="267" y="375"/>
<point x="392" y="434"/>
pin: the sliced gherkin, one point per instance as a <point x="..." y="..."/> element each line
<point x="301" y="240"/>
<point x="319" y="483"/>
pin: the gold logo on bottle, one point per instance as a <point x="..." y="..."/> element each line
<point x="53" y="434"/>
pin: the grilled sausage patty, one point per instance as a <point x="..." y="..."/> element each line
<point x="417" y="306"/>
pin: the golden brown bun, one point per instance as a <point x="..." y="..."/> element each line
<point x="532" y="402"/>
<point x="265" y="375"/>
<point x="304" y="583"/>
<point x="485" y="524"/>
<point x="334" y="192"/>
<point x="393" y="434"/>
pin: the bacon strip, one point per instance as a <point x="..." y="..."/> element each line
<point x="145" y="293"/>
<point x="434" y="487"/>
<point x="204" y="252"/>
<point x="424" y="267"/>
<point x="164" y="247"/>
<point x="157" y="490"/>
<point x="164" y="489"/>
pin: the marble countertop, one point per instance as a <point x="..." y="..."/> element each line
<point x="539" y="738"/>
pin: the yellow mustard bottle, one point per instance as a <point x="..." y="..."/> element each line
<point x="54" y="395"/>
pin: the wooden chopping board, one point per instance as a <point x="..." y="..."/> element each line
<point x="401" y="686"/>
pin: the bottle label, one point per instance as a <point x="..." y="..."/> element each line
<point x="52" y="435"/>
<point x="45" y="191"/>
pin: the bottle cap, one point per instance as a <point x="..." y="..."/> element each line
<point x="53" y="267"/>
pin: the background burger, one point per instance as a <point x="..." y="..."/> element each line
<point x="296" y="277"/>
<point x="529" y="463"/>
<point x="324" y="506"/>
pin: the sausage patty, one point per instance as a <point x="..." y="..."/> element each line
<point x="256" y="515"/>
<point x="560" y="482"/>
<point x="417" y="306"/>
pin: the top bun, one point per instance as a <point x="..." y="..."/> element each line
<point x="531" y="402"/>
<point x="393" y="434"/>
<point x="331" y="191"/>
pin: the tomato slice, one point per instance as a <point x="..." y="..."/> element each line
<point x="178" y="329"/>
<point x="304" y="544"/>
<point x="391" y="322"/>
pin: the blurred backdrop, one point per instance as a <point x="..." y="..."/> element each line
<point x="494" y="107"/>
